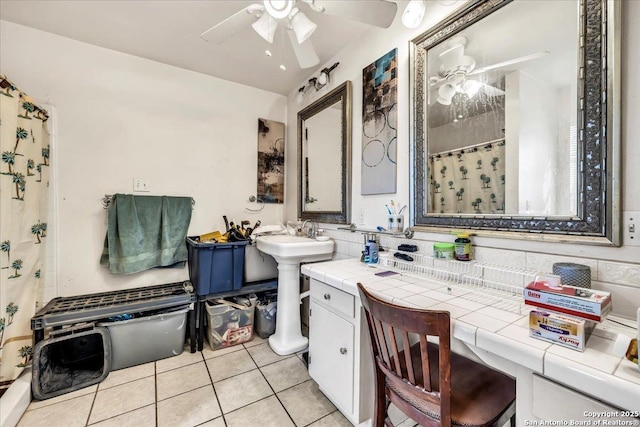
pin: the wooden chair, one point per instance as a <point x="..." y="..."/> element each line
<point x="426" y="381"/>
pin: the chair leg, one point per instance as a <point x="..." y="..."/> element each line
<point x="513" y="420"/>
<point x="381" y="401"/>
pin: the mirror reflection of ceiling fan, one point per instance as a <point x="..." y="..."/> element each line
<point x="456" y="68"/>
<point x="266" y="17"/>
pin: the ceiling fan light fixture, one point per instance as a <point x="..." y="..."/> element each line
<point x="300" y="95"/>
<point x="413" y="14"/>
<point x="302" y="26"/>
<point x="471" y="87"/>
<point x="266" y="26"/>
<point x="323" y="78"/>
<point x="279" y="8"/>
<point x="445" y="94"/>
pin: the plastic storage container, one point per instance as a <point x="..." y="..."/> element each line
<point x="147" y="338"/>
<point x="216" y="267"/>
<point x="228" y="323"/>
<point x="258" y="266"/>
<point x="265" y="319"/>
<point x="443" y="250"/>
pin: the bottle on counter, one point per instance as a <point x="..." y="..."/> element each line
<point x="371" y="252"/>
<point x="463" y="247"/>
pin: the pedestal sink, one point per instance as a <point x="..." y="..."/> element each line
<point x="289" y="252"/>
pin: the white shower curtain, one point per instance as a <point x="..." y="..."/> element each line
<point x="24" y="179"/>
<point x="469" y="180"/>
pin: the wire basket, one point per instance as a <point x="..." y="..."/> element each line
<point x="491" y="285"/>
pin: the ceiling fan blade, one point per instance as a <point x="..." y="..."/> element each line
<point x="509" y="62"/>
<point x="492" y="90"/>
<point x="305" y="53"/>
<point x="435" y="82"/>
<point x="237" y="22"/>
<point x="452" y="58"/>
<point x="378" y="13"/>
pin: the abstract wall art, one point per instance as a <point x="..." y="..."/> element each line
<point x="270" y="161"/>
<point x="379" y="124"/>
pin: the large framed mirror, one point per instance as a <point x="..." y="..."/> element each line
<point x="324" y="158"/>
<point x="515" y="121"/>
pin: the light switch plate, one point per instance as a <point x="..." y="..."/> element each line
<point x="141" y="185"/>
<point x="631" y="228"/>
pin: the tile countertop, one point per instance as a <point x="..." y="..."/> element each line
<point x="601" y="370"/>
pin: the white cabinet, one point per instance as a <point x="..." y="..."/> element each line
<point x="331" y="355"/>
<point x="553" y="401"/>
<point x="339" y="353"/>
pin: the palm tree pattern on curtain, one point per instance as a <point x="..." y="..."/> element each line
<point x="470" y="180"/>
<point x="24" y="144"/>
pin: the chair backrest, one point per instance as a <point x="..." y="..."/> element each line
<point x="389" y="327"/>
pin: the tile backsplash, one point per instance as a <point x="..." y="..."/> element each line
<point x="620" y="278"/>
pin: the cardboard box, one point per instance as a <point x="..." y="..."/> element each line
<point x="584" y="303"/>
<point x="563" y="330"/>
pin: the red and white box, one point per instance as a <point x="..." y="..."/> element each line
<point x="580" y="302"/>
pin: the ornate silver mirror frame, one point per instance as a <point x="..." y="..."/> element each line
<point x="341" y="94"/>
<point x="597" y="220"/>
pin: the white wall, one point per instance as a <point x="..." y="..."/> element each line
<point x="325" y="167"/>
<point x="369" y="211"/>
<point x="469" y="131"/>
<point x="120" y="117"/>
<point x="537" y="140"/>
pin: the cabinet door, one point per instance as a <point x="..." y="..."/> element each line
<point x="331" y="352"/>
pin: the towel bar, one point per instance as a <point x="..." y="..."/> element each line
<point x="106" y="201"/>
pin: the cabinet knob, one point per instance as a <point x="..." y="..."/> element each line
<point x="343" y="350"/>
<point x="327" y="296"/>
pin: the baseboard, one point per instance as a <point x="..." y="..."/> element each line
<point x="15" y="400"/>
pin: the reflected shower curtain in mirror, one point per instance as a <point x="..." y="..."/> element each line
<point x="24" y="178"/>
<point x="469" y="180"/>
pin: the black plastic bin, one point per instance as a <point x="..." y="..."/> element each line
<point x="71" y="359"/>
<point x="216" y="267"/>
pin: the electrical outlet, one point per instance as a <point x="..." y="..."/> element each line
<point x="141" y="185"/>
<point x="631" y="228"/>
<point x="361" y="217"/>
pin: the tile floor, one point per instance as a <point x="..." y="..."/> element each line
<point x="245" y="385"/>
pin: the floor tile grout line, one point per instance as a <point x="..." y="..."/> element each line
<point x="124" y="413"/>
<point x="55" y="403"/>
<point x="93" y="401"/>
<point x="234" y="375"/>
<point x="322" y="418"/>
<point x="273" y="390"/>
<point x="128" y="382"/>
<point x="285" y="408"/>
<point x="215" y="393"/>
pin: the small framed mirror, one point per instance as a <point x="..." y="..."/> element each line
<point x="515" y="121"/>
<point x="324" y="158"/>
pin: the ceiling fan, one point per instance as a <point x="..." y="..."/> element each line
<point x="456" y="68"/>
<point x="265" y="18"/>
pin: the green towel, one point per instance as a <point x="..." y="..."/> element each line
<point x="144" y="232"/>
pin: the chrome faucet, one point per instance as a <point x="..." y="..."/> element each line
<point x="312" y="230"/>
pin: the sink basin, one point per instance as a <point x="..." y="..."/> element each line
<point x="295" y="248"/>
<point x="289" y="252"/>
